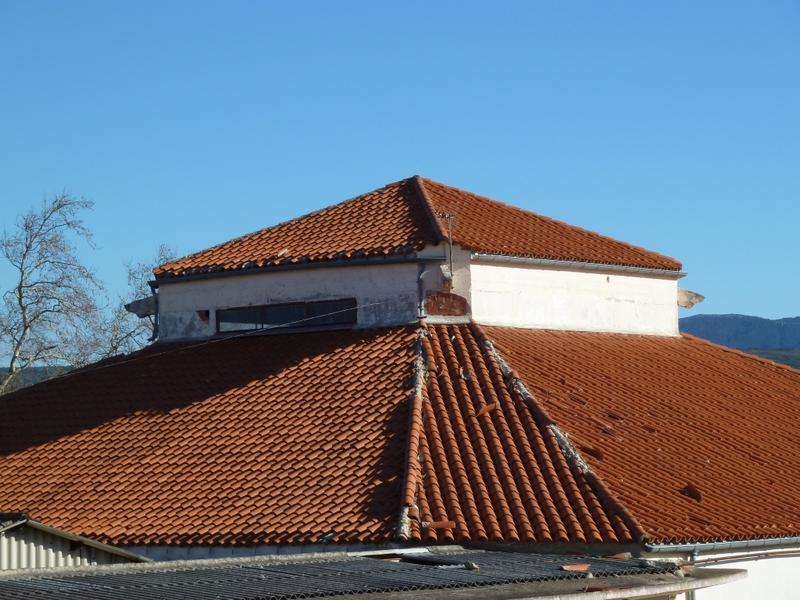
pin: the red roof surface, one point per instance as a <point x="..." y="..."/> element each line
<point x="390" y="221"/>
<point x="485" y="225"/>
<point x="400" y="219"/>
<point x="265" y="439"/>
<point x="697" y="441"/>
<point x="581" y="437"/>
<point x="484" y="457"/>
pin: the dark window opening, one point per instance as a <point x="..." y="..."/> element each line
<point x="293" y="314"/>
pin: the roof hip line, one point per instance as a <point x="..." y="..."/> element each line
<point x="411" y="474"/>
<point x="419" y="183"/>
<point x="570" y="452"/>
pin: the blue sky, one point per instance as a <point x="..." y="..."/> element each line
<point x="673" y="125"/>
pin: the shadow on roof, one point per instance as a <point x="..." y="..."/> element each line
<point x="158" y="379"/>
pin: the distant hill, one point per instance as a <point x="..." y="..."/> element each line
<point x="35" y="375"/>
<point x="787" y="357"/>
<point x="773" y="339"/>
<point x="745" y="332"/>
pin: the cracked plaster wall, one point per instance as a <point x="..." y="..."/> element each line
<point x="386" y="295"/>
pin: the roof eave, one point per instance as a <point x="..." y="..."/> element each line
<point x="412" y="257"/>
<point x="722" y="546"/>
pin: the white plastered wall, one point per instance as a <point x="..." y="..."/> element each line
<point x="387" y="294"/>
<point x="538" y="297"/>
<point x="440" y="259"/>
<point x="773" y="578"/>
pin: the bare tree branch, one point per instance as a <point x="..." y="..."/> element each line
<point x="127" y="332"/>
<point x="56" y="312"/>
<point x="53" y="291"/>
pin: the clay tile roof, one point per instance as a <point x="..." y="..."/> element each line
<point x="485" y="225"/>
<point x="438" y="433"/>
<point x="697" y="441"/>
<point x="485" y="463"/>
<point x="266" y="439"/>
<point x="286" y="438"/>
<point x="389" y="221"/>
<point x="400" y="219"/>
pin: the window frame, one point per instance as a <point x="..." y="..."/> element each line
<point x="267" y="327"/>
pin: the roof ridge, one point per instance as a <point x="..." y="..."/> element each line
<point x="419" y="183"/>
<point x="324" y="209"/>
<point x="643" y="252"/>
<point x="742" y="353"/>
<point x="595" y="481"/>
<point x="411" y="472"/>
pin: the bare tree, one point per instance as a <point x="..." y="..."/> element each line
<point x="126" y="332"/>
<point x="57" y="312"/>
<point x="46" y="317"/>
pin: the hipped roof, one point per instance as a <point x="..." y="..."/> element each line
<point x="436" y="433"/>
<point x="400" y="219"/>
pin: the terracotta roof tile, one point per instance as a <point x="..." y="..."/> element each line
<point x="694" y="439"/>
<point x="400" y="219"/>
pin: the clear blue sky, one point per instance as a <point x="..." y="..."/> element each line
<point x="673" y="125"/>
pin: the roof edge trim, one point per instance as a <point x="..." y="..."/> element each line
<point x="575" y="264"/>
<point x="62" y="533"/>
<point x="14" y="523"/>
<point x="722" y="546"/>
<point x="343" y="262"/>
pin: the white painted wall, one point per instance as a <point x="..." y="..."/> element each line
<point x="386" y="295"/>
<point x="774" y="578"/>
<point x="544" y="298"/>
<point x="461" y="276"/>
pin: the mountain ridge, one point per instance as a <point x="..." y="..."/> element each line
<point x="777" y="340"/>
<point x="745" y="332"/>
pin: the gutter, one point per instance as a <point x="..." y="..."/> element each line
<point x="734" y="546"/>
<point x="348" y="262"/>
<point x="574" y="264"/>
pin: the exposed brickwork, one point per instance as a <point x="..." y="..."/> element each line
<point x="445" y="304"/>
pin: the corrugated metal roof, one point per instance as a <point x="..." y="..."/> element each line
<point x="281" y="579"/>
<point x="29" y="544"/>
